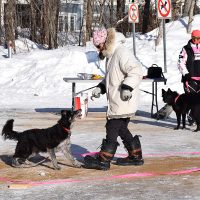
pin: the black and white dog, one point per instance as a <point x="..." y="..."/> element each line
<point x="181" y="104"/>
<point x="34" y="141"/>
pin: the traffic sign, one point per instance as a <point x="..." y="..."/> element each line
<point x="133" y="13"/>
<point x="164" y="9"/>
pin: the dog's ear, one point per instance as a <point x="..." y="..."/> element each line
<point x="68" y="113"/>
<point x="163" y="92"/>
<point x="65" y="112"/>
<point x="169" y="90"/>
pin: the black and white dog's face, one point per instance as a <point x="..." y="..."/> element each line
<point x="68" y="117"/>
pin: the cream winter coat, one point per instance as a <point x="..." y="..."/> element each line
<point x="121" y="68"/>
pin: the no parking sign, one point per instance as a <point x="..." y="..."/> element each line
<point x="164" y="9"/>
<point x="133" y="13"/>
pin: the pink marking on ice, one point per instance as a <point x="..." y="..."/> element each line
<point x="60" y="181"/>
<point x="183" y="171"/>
<point x="123" y="176"/>
<point x="97" y="179"/>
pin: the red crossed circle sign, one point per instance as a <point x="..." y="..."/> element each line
<point x="164" y="7"/>
<point x="133" y="12"/>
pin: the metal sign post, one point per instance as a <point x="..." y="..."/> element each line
<point x="133" y="29"/>
<point x="164" y="46"/>
<point x="164" y="12"/>
<point x="133" y="17"/>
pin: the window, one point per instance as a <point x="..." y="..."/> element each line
<point x="66" y="24"/>
<point x="60" y="23"/>
<point x="72" y="23"/>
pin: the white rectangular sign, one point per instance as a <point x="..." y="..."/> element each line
<point x="164" y="9"/>
<point x="133" y="13"/>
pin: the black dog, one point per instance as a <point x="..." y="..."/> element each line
<point x="181" y="104"/>
<point x="33" y="141"/>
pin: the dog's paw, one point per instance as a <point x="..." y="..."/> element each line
<point x="176" y="128"/>
<point x="77" y="164"/>
<point x="17" y="162"/>
<point x="27" y="162"/>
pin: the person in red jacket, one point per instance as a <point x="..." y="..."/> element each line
<point x="189" y="66"/>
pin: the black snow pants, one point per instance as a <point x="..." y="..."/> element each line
<point x="118" y="127"/>
<point x="191" y="86"/>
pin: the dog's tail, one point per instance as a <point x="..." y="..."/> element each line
<point x="8" y="132"/>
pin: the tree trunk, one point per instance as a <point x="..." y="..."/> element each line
<point x="1" y="32"/>
<point x="160" y="33"/>
<point x="102" y="12"/>
<point x="10" y="22"/>
<point x="111" y="13"/>
<point x="145" y="21"/>
<point x="84" y="22"/>
<point x="191" y="16"/>
<point x="186" y="8"/>
<point x="35" y="21"/>
<point x="50" y="23"/>
<point x="121" y="15"/>
<point x="89" y="20"/>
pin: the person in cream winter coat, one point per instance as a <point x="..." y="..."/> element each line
<point x="121" y="85"/>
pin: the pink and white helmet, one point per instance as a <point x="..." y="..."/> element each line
<point x="99" y="37"/>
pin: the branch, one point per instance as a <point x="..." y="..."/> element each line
<point x="121" y="20"/>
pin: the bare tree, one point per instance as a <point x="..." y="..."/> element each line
<point x="0" y="21"/>
<point x="191" y="16"/>
<point x="90" y="5"/>
<point x="111" y="13"/>
<point x="42" y="19"/>
<point x="146" y="13"/>
<point x="10" y="22"/>
<point x="160" y="33"/>
<point x="120" y="15"/>
<point x="88" y="21"/>
<point x="101" y="11"/>
<point x="50" y="10"/>
<point x="186" y="8"/>
<point x="84" y="30"/>
<point x="35" y="8"/>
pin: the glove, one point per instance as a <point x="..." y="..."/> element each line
<point x="185" y="78"/>
<point x="126" y="95"/>
<point x="96" y="92"/>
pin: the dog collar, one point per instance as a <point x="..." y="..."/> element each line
<point x="66" y="130"/>
<point x="176" y="98"/>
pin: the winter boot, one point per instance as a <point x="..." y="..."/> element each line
<point x="103" y="159"/>
<point x="134" y="153"/>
